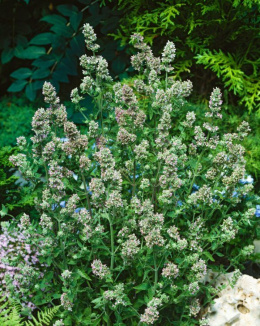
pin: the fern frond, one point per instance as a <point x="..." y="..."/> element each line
<point x="44" y="317"/>
<point x="9" y="313"/>
<point x="169" y="13"/>
<point x="225" y="68"/>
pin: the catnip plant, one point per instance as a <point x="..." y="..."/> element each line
<point x="133" y="214"/>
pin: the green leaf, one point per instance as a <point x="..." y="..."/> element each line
<point x="21" y="73"/>
<point x="7" y="55"/>
<point x="60" y="75"/>
<point x="219" y="254"/>
<point x="44" y="62"/>
<point x="38" y="84"/>
<point x="42" y="39"/>
<point x="83" y="274"/>
<point x="63" y="30"/>
<point x="77" y="45"/>
<point x="32" y="52"/>
<point x="54" y="19"/>
<point x="30" y="92"/>
<point x="142" y="287"/>
<point x="67" y="10"/>
<point x="17" y="86"/>
<point x="75" y="20"/>
<point x="4" y="211"/>
<point x="208" y="255"/>
<point x="41" y="73"/>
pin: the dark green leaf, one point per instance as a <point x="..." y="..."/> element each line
<point x="67" y="10"/>
<point x="41" y="73"/>
<point x="7" y="55"/>
<point x="60" y="75"/>
<point x="30" y="92"/>
<point x="21" y="73"/>
<point x="77" y="45"/>
<point x="118" y="65"/>
<point x="69" y="64"/>
<point x="62" y="30"/>
<point x="17" y="86"/>
<point x="44" y="62"/>
<point x="38" y="84"/>
<point x="21" y="41"/>
<point x="42" y="39"/>
<point x="32" y="52"/>
<point x="54" y="19"/>
<point x="75" y="20"/>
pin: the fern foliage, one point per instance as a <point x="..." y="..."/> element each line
<point x="216" y="40"/>
<point x="43" y="317"/>
<point x="10" y="315"/>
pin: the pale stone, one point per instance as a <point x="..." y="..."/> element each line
<point x="238" y="306"/>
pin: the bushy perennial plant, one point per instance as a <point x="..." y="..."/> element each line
<point x="134" y="213"/>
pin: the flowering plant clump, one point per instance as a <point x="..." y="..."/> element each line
<point x="134" y="213"/>
<point x="20" y="267"/>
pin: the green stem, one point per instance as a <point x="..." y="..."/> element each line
<point x="112" y="261"/>
<point x="62" y="246"/>
<point x="195" y="172"/>
<point x="134" y="185"/>
<point x="86" y="192"/>
<point x="155" y="270"/>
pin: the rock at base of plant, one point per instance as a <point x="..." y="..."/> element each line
<point x="237" y="306"/>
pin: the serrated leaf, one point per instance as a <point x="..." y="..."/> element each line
<point x="67" y="10"/>
<point x="42" y="39"/>
<point x="32" y="52"/>
<point x="7" y="55"/>
<point x="54" y="19"/>
<point x="17" y="86"/>
<point x="21" y="73"/>
<point x="30" y="92"/>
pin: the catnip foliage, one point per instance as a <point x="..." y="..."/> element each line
<point x="133" y="214"/>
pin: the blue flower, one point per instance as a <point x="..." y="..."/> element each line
<point x="195" y="188"/>
<point x="77" y="210"/>
<point x="248" y="180"/>
<point x="64" y="140"/>
<point x="62" y="204"/>
<point x="257" y="212"/>
<point x="235" y="194"/>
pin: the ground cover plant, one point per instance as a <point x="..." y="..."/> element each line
<point x="133" y="213"/>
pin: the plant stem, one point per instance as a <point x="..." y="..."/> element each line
<point x="134" y="185"/>
<point x="155" y="269"/>
<point x="86" y="192"/>
<point x="112" y="245"/>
